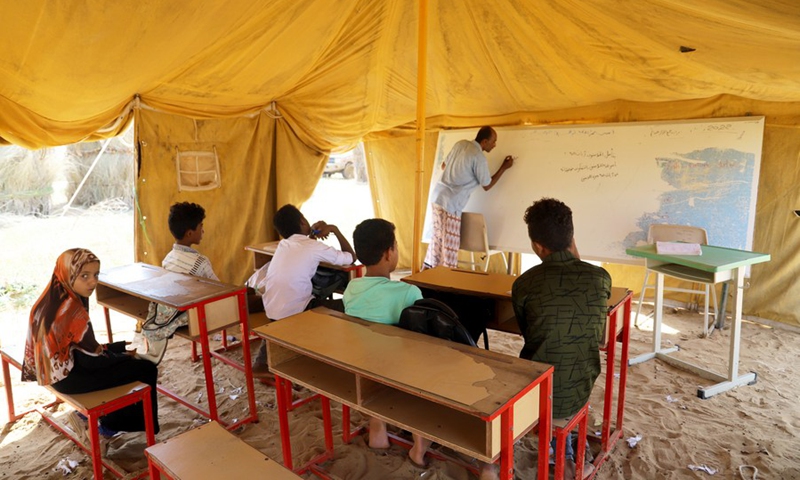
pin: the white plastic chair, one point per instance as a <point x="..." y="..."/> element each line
<point x="474" y="239"/>
<point x="678" y="233"/>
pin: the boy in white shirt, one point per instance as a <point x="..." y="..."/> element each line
<point x="288" y="288"/>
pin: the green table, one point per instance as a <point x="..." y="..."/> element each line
<point x="716" y="264"/>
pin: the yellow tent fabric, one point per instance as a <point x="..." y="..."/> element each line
<point x="275" y="86"/>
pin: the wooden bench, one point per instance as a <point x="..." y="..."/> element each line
<point x="93" y="405"/>
<point x="210" y="451"/>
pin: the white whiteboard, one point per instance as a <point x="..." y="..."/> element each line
<point x="618" y="178"/>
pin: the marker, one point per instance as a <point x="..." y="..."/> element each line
<point x="314" y="231"/>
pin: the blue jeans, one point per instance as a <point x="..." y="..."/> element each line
<point x="570" y="452"/>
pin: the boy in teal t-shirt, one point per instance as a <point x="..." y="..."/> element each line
<point x="377" y="298"/>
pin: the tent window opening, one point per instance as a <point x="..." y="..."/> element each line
<point x="197" y="170"/>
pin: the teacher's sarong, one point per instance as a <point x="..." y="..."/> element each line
<point x="445" y="240"/>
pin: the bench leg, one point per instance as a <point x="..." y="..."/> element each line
<point x="94" y="445"/>
<point x="9" y="394"/>
<point x="151" y="468"/>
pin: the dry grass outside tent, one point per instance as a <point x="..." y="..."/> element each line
<point x="26" y="180"/>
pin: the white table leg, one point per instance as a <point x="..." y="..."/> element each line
<point x="658" y="316"/>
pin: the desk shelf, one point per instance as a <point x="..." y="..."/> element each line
<point x="444" y="425"/>
<point x="337" y="384"/>
<point x="121" y="302"/>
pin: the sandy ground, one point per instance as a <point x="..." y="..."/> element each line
<point x="752" y="425"/>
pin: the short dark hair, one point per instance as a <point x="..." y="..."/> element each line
<point x="550" y="224"/>
<point x="485" y="133"/>
<point x="372" y="238"/>
<point x="184" y="216"/>
<point x="287" y="220"/>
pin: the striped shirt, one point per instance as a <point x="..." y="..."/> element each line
<point x="183" y="259"/>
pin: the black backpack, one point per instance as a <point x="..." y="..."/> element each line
<point x="435" y="318"/>
<point x="326" y="281"/>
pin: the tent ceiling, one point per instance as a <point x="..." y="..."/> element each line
<point x="339" y="70"/>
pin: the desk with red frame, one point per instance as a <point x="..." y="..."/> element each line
<point x="473" y="401"/>
<point x="497" y="286"/>
<point x="263" y="253"/>
<point x="212" y="306"/>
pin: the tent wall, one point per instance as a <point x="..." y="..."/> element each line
<point x="773" y="292"/>
<point x="262" y="166"/>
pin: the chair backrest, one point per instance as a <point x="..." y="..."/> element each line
<point x="433" y="317"/>
<point x="473" y="233"/>
<point x="676" y="233"/>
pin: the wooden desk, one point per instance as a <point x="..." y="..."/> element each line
<point x="471" y="400"/>
<point x="497" y="287"/>
<point x="716" y="264"/>
<point x="263" y="253"/>
<point x="211" y="305"/>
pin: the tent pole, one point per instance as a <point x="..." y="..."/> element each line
<point x="88" y="172"/>
<point x="422" y="70"/>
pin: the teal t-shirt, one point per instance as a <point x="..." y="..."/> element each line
<point x="379" y="299"/>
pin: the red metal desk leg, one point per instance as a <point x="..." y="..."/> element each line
<point x="108" y="326"/>
<point x="207" y="368"/>
<point x="248" y="365"/>
<point x="611" y="350"/>
<point x="507" y="444"/>
<point x="283" y="418"/>
<point x="545" y="425"/>
<point x="94" y="444"/>
<point x="326" y="420"/>
<point x="623" y="369"/>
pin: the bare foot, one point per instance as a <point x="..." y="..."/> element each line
<point x="378" y="438"/>
<point x="417" y="452"/>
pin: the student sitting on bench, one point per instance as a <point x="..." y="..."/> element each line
<point x="377" y="298"/>
<point x="561" y="307"/>
<point x="186" y="225"/>
<point x="288" y="288"/>
<point x="62" y="351"/>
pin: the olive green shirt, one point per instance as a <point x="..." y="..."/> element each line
<point x="561" y="307"/>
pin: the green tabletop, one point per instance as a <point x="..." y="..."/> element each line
<point x="713" y="259"/>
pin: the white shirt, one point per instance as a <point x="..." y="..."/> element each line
<point x="465" y="169"/>
<point x="288" y="283"/>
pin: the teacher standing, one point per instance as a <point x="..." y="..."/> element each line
<point x="464" y="169"/>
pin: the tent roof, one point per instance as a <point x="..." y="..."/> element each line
<point x="339" y="70"/>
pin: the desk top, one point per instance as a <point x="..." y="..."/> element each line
<point x="268" y="248"/>
<point x="470" y="379"/>
<point x="493" y="285"/>
<point x="713" y="259"/>
<point x="155" y="284"/>
<point x="209" y="451"/>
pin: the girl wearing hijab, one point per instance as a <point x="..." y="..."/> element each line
<point x="62" y="351"/>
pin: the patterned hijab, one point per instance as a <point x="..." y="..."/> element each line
<point x="59" y="323"/>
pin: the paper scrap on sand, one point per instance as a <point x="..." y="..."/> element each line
<point x="66" y="466"/>
<point x="703" y="468"/>
<point x="632" y="441"/>
<point x="670" y="399"/>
